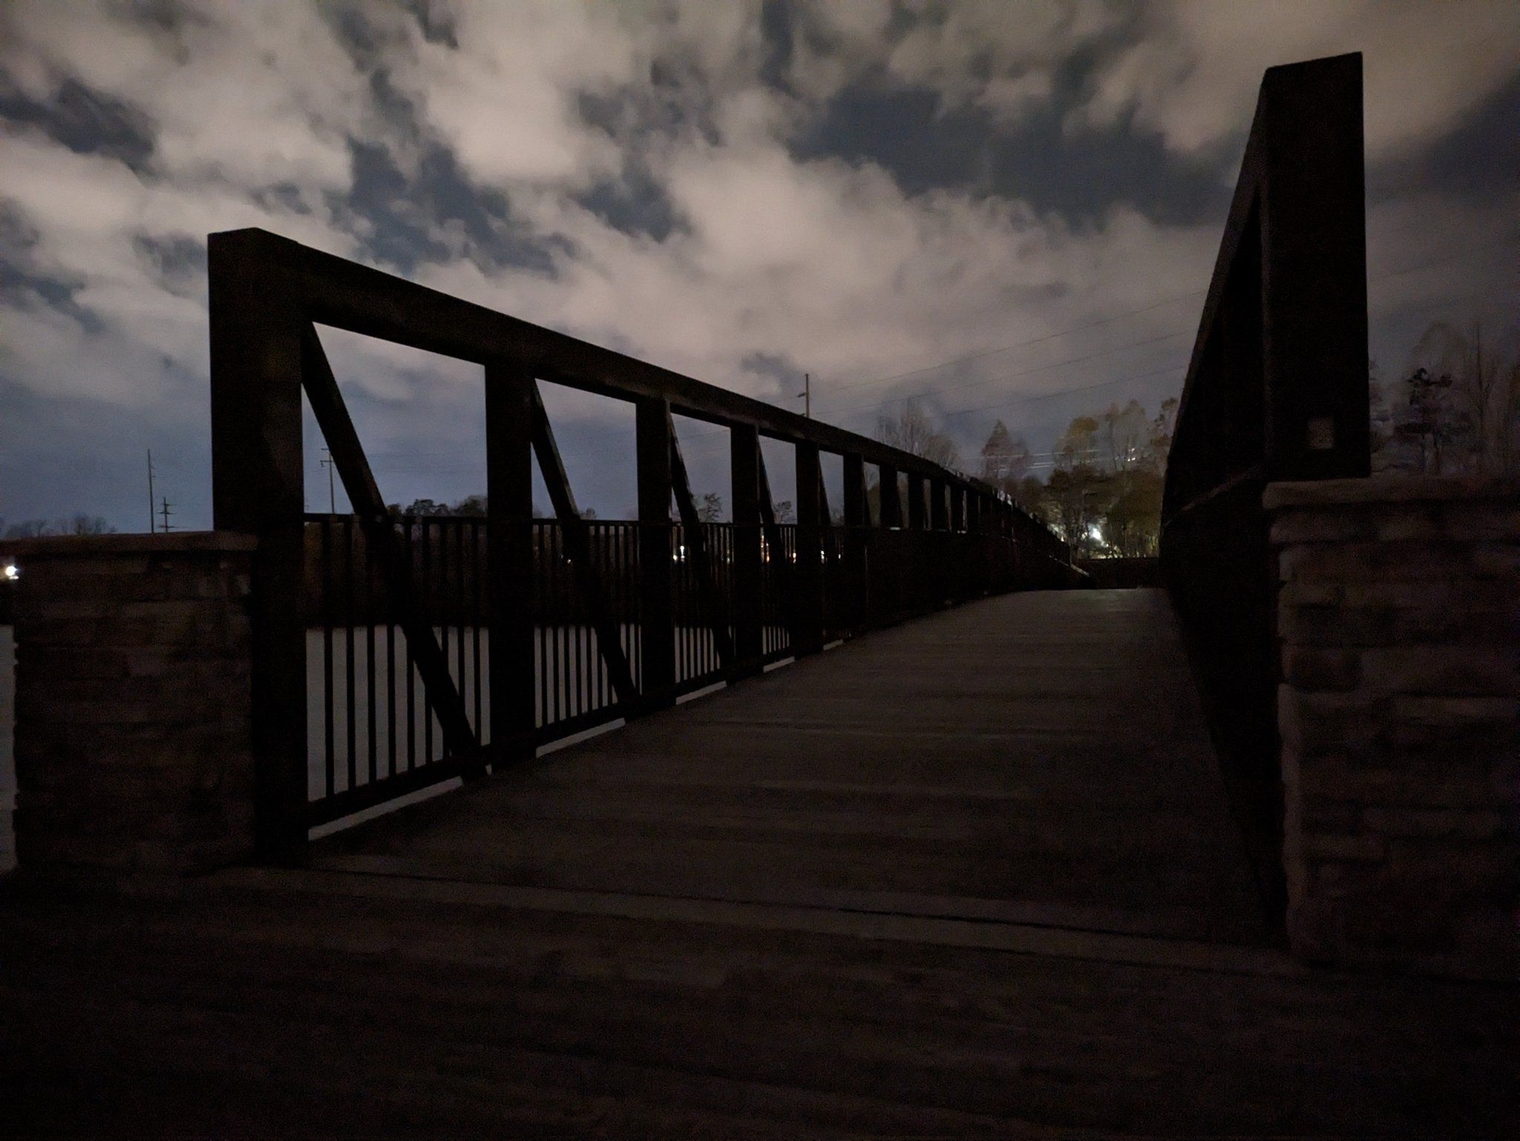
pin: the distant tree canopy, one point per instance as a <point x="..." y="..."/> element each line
<point x="473" y="506"/>
<point x="80" y="524"/>
<point x="1103" y="495"/>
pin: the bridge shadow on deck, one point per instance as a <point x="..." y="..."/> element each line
<point x="1037" y="758"/>
<point x="972" y="876"/>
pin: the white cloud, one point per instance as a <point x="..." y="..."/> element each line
<point x="831" y="269"/>
<point x="1194" y="73"/>
<point x="821" y="265"/>
<point x="240" y="98"/>
<point x="504" y="100"/>
<point x="86" y="218"/>
<point x="253" y="93"/>
<point x="995" y="55"/>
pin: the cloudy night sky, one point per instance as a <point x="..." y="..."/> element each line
<point x="1004" y="210"/>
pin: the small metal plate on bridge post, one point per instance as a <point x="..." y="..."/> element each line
<point x="1321" y="434"/>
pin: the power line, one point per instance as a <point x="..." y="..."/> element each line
<point x="1177" y="367"/>
<point x="1135" y="312"/>
<point x="963" y="385"/>
<point x="1022" y="344"/>
<point x="1488" y="248"/>
<point x="694" y="440"/>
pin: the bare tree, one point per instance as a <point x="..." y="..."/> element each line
<point x="1430" y="421"/>
<point x="1473" y="422"/>
<point x="913" y="431"/>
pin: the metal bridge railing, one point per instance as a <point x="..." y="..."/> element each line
<point x="391" y="652"/>
<point x="1276" y="389"/>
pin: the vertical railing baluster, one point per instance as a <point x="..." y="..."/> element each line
<point x="477" y="620"/>
<point x="652" y="429"/>
<point x="559" y="558"/>
<point x="352" y="726"/>
<point x="441" y="535"/>
<point x="578" y="668"/>
<point x="328" y="602"/>
<point x="411" y="667"/>
<point x="429" y="608"/>
<point x="390" y="675"/>
<point x="461" y="611"/>
<point x="369" y="658"/>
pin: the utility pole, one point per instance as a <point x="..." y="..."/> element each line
<point x="332" y="496"/>
<point x="807" y="395"/>
<point x="165" y="512"/>
<point x="150" y="491"/>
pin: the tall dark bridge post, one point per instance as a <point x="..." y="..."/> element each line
<point x="889" y="571"/>
<point x="1276" y="390"/>
<point x="918" y="552"/>
<point x="855" y="538"/>
<point x="656" y="609"/>
<point x="915" y="501"/>
<point x="509" y="556"/>
<point x="257" y="488"/>
<point x="940" y="560"/>
<point x="807" y="635"/>
<point x="744" y="486"/>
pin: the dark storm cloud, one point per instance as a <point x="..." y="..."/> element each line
<point x="82" y="120"/>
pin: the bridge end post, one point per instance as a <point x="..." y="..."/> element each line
<point x="744" y="486"/>
<point x="509" y="558"/>
<point x="257" y="484"/>
<point x="657" y="671"/>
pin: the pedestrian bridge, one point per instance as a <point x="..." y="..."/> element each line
<point x="867" y="824"/>
<point x="972" y="876"/>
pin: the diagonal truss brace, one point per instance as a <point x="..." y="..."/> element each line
<point x="578" y="546"/>
<point x="696" y="542"/>
<point x="364" y="493"/>
<point x="774" y="547"/>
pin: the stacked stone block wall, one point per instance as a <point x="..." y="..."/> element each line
<point x="133" y="714"/>
<point x="1399" y="711"/>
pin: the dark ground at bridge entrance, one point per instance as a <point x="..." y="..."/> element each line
<point x="971" y="876"/>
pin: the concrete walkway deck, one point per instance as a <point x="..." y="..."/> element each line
<point x="972" y="876"/>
